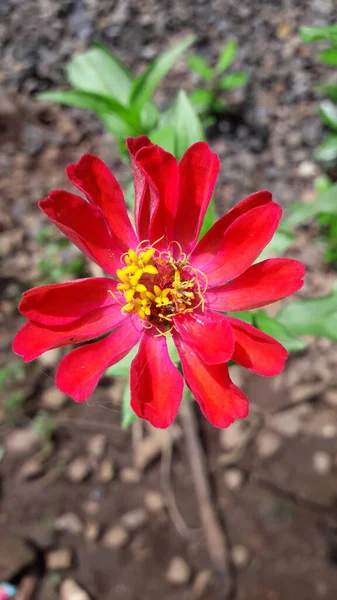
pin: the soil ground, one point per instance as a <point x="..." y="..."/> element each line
<point x="273" y="478"/>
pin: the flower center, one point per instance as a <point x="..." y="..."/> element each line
<point x="158" y="286"/>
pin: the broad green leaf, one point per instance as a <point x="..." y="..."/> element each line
<point x="201" y="99"/>
<point x="329" y="56"/>
<point x="174" y="356"/>
<point x="164" y="137"/>
<point x="187" y="124"/>
<point x="278" y="331"/>
<point x="317" y="34"/>
<point x="331" y="90"/>
<point x="315" y="316"/>
<point x="278" y="245"/>
<point x="322" y="183"/>
<point x="328" y="113"/>
<point x="327" y="151"/>
<point x="128" y="416"/>
<point x="117" y="127"/>
<point x="122" y="368"/>
<point x="226" y="56"/>
<point x="324" y="203"/>
<point x="99" y="71"/>
<point x="233" y="80"/>
<point x="245" y="315"/>
<point x="149" y="117"/>
<point x="95" y="102"/>
<point x="209" y="219"/>
<point x="145" y="85"/>
<point x="200" y="66"/>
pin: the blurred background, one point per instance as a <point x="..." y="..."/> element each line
<point x="89" y="511"/>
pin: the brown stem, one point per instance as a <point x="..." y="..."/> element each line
<point x="215" y="539"/>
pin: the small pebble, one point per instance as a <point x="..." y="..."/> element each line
<point x="178" y="572"/>
<point x="115" y="537"/>
<point x="91" y="532"/>
<point x="267" y="443"/>
<point x="69" y="590"/>
<point x="96" y="445"/>
<point x="135" y="519"/>
<point x="59" y="560"/>
<point x="154" y="502"/>
<point x="330" y="397"/>
<point x="201" y="583"/>
<point x="130" y="475"/>
<point x="233" y="479"/>
<point x="233" y="436"/>
<point x="31" y="468"/>
<point x="240" y="556"/>
<point x="53" y="399"/>
<point x="106" y="470"/>
<point x="22" y="441"/>
<point x="68" y="523"/>
<point x="322" y="462"/>
<point x="78" y="470"/>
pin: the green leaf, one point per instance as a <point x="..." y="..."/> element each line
<point x="317" y="34"/>
<point x="328" y="150"/>
<point x="278" y="245"/>
<point x="324" y="203"/>
<point x="128" y="415"/>
<point x="331" y="90"/>
<point x="174" y="356"/>
<point x="278" y="331"/>
<point x="200" y="66"/>
<point x="322" y="183"/>
<point x="95" y="102"/>
<point x="226" y="56"/>
<point x="122" y="368"/>
<point x="99" y="71"/>
<point x="187" y="124"/>
<point x="245" y="315"/>
<point x="233" y="80"/>
<point x="202" y="99"/>
<point x="118" y="128"/>
<point x="315" y="316"/>
<point x="328" y="113"/>
<point x="209" y="219"/>
<point x="145" y="85"/>
<point x="164" y="137"/>
<point x="329" y="57"/>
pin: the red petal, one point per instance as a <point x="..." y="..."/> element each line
<point x="85" y="225"/>
<point x="222" y="256"/>
<point x="34" y="339"/>
<point x="62" y="303"/>
<point x="156" y="177"/>
<point x="256" y="350"/>
<point x="219" y="399"/>
<point x="261" y="284"/>
<point x="209" y="334"/>
<point x="156" y="384"/>
<point x="92" y="176"/>
<point x="199" y="169"/>
<point x="79" y="372"/>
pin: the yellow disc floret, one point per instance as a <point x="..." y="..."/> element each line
<point x="158" y="286"/>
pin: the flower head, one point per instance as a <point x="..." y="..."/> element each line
<point x="162" y="283"/>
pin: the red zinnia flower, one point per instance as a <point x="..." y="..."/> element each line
<point x="164" y="283"/>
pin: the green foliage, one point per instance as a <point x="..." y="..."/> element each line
<point x="319" y="34"/>
<point x="279" y="331"/>
<point x="188" y="126"/>
<point x="44" y="425"/>
<point x="208" y="99"/>
<point x="327" y="151"/>
<point x="124" y="103"/>
<point x="128" y="415"/>
<point x="315" y="316"/>
<point x="56" y="263"/>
